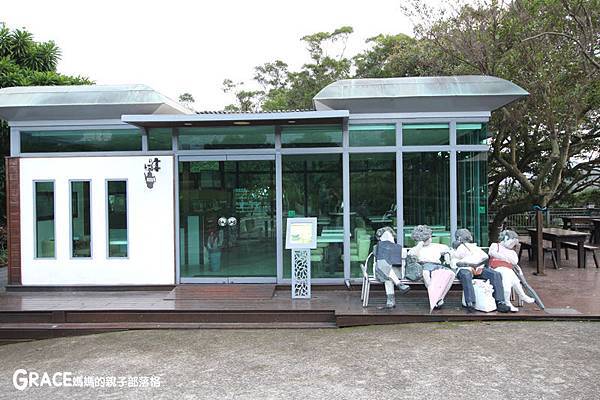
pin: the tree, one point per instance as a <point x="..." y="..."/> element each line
<point x="25" y="62"/>
<point x="187" y="100"/>
<point x="284" y="89"/>
<point x="547" y="145"/>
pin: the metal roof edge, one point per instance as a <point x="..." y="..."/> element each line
<point x="133" y="119"/>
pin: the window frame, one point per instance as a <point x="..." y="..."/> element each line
<point x="35" y="230"/>
<point x="71" y="255"/>
<point x="106" y="181"/>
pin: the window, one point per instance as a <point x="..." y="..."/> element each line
<point x="373" y="135"/>
<point x="81" y="140"/>
<point x="226" y="137"/>
<point x="473" y="194"/>
<point x="311" y="136"/>
<point x="44" y="220"/>
<point x="425" y="134"/>
<point x="427" y="194"/>
<point x="81" y="230"/>
<point x="160" y="139"/>
<point x="312" y="187"/>
<point x="372" y="202"/>
<point x="471" y="133"/>
<point x="117" y="218"/>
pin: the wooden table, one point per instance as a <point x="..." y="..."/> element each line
<point x="596" y="231"/>
<point x="570" y="222"/>
<point x="558" y="236"/>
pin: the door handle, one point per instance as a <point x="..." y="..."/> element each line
<point x="232" y="221"/>
<point x="222" y="221"/>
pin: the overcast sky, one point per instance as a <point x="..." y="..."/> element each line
<point x="177" y="46"/>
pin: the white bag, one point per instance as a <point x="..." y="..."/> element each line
<point x="484" y="298"/>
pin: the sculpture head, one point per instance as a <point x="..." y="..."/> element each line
<point x="462" y="236"/>
<point x="422" y="233"/>
<point x="508" y="238"/>
<point x="379" y="233"/>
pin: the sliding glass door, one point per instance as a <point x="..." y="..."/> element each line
<point x="227" y="219"/>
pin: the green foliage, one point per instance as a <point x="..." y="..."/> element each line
<point x="285" y="89"/>
<point x="25" y="62"/>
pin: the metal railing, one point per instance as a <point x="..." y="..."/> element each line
<point x="552" y="217"/>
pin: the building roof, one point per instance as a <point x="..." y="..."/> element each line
<point x="280" y="117"/>
<point x="419" y="94"/>
<point x="83" y="102"/>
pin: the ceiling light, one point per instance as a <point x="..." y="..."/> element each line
<point x="241" y="123"/>
<point x="187" y="123"/>
<point x="291" y="122"/>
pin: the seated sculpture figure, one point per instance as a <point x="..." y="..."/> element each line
<point x="429" y="255"/>
<point x="503" y="258"/>
<point x="469" y="262"/>
<point x="388" y="254"/>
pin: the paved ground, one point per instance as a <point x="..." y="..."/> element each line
<point x="497" y="360"/>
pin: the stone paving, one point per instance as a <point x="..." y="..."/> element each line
<point x="477" y="360"/>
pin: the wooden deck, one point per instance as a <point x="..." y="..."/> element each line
<point x="568" y="293"/>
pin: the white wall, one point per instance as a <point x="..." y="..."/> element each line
<point x="151" y="222"/>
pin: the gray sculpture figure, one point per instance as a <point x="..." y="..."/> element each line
<point x="388" y="254"/>
<point x="470" y="261"/>
<point x="504" y="259"/>
<point x="429" y="255"/>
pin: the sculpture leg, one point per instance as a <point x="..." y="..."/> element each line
<point x="401" y="286"/>
<point x="507" y="284"/>
<point x="389" y="292"/>
<point x="466" y="279"/>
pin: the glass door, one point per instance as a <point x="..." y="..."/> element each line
<point x="227" y="219"/>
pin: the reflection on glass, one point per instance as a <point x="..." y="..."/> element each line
<point x="227" y="219"/>
<point x="372" y="202"/>
<point x="159" y="139"/>
<point x="226" y="137"/>
<point x="81" y="232"/>
<point x="472" y="194"/>
<point x="312" y="187"/>
<point x="311" y="136"/>
<point x="471" y="133"/>
<point x="427" y="194"/>
<point x="373" y="135"/>
<point x="81" y="140"/>
<point x="44" y="219"/>
<point x="117" y="218"/>
<point x="425" y="134"/>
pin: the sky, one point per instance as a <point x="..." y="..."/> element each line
<point x="179" y="46"/>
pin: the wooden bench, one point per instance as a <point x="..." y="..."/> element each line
<point x="525" y="244"/>
<point x="586" y="248"/>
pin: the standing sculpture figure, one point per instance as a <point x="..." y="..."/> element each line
<point x="503" y="258"/>
<point x="429" y="255"/>
<point x="470" y="263"/>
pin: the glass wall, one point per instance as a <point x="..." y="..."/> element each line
<point x="160" y="139"/>
<point x="373" y="135"/>
<point x="81" y="230"/>
<point x="117" y="218"/>
<point x="372" y="202"/>
<point x="426" y="191"/>
<point x="226" y="137"/>
<point x="471" y="133"/>
<point x="312" y="187"/>
<point x="44" y="220"/>
<point x="473" y="194"/>
<point x="81" y="140"/>
<point x="311" y="136"/>
<point x="425" y="134"/>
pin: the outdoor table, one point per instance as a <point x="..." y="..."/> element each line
<point x="558" y="236"/>
<point x="596" y="231"/>
<point x="574" y="220"/>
